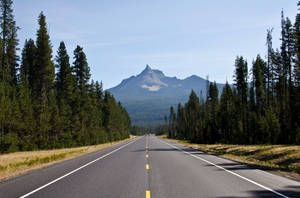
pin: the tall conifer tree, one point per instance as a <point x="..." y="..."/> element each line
<point x="9" y="42"/>
<point x="45" y="78"/>
<point x="28" y="64"/>
<point x="64" y="75"/>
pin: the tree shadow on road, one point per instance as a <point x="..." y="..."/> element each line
<point x="268" y="194"/>
<point x="234" y="166"/>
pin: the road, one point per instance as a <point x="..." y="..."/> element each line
<point x="149" y="167"/>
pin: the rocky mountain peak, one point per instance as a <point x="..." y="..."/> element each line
<point x="147" y="70"/>
<point x="152" y="93"/>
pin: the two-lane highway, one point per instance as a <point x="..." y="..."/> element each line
<point x="149" y="167"/>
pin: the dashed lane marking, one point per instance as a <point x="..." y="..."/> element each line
<point x="148" y="194"/>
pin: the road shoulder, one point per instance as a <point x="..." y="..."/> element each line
<point x="289" y="174"/>
<point x="16" y="164"/>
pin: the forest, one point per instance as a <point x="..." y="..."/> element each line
<point x="261" y="107"/>
<point x="47" y="102"/>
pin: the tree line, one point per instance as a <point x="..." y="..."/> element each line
<point x="261" y="107"/>
<point x="44" y="109"/>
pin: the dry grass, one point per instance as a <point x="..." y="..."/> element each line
<point x="18" y="163"/>
<point x="282" y="158"/>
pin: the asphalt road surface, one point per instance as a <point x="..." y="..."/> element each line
<point x="149" y="167"/>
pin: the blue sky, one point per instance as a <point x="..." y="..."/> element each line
<point x="181" y="38"/>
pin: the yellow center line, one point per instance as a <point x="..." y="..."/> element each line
<point x="147" y="167"/>
<point x="148" y="194"/>
<point x="147" y="155"/>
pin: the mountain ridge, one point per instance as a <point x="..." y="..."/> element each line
<point x="148" y="95"/>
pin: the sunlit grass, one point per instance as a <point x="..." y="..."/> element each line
<point x="278" y="157"/>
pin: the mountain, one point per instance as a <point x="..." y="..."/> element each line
<point x="149" y="95"/>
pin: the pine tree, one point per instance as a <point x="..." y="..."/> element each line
<point x="27" y="115"/>
<point x="192" y="109"/>
<point x="270" y="67"/>
<point x="213" y="104"/>
<point x="99" y="92"/>
<point x="56" y="123"/>
<point x="5" y="103"/>
<point x="241" y="83"/>
<point x="283" y="86"/>
<point x="258" y="78"/>
<point x="9" y="42"/>
<point x="289" y="39"/>
<point x="45" y="67"/>
<point x="274" y="126"/>
<point x="226" y="114"/>
<point x="296" y="71"/>
<point x="266" y="110"/>
<point x="295" y="91"/>
<point x="11" y="53"/>
<point x="252" y="104"/>
<point x="45" y="76"/>
<point x="38" y="112"/>
<point x="64" y="81"/>
<point x="180" y="122"/>
<point x="113" y="120"/>
<point x="172" y="124"/>
<point x="81" y="68"/>
<point x="28" y="66"/>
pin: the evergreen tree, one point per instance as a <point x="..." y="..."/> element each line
<point x="27" y="115"/>
<point x="9" y="42"/>
<point x="45" y="79"/>
<point x="11" y="54"/>
<point x="172" y="124"/>
<point x="241" y="83"/>
<point x="192" y="117"/>
<point x="295" y="91"/>
<point x="45" y="67"/>
<point x="180" y="122"/>
<point x="258" y="78"/>
<point x="296" y="71"/>
<point x="270" y="67"/>
<point x="28" y="66"/>
<point x="264" y="111"/>
<point x="64" y="78"/>
<point x="81" y="68"/>
<point x="35" y="114"/>
<point x="213" y="104"/>
<point x="226" y="114"/>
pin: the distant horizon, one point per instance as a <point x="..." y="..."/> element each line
<point x="180" y="38"/>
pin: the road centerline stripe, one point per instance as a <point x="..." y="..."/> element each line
<point x="77" y="169"/>
<point x="147" y="167"/>
<point x="148" y="194"/>
<point x="233" y="173"/>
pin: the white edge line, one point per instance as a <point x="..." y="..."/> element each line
<point x="77" y="169"/>
<point x="220" y="167"/>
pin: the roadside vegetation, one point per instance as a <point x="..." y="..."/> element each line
<point x="284" y="158"/>
<point x="46" y="102"/>
<point x="261" y="107"/>
<point x="18" y="163"/>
